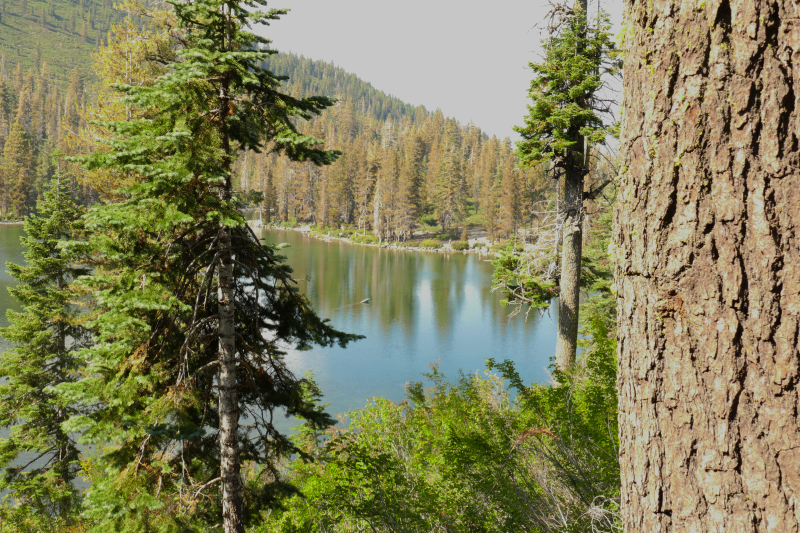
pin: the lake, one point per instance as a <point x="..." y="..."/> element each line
<point x="424" y="307"/>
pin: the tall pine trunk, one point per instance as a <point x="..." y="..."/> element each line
<point x="572" y="247"/>
<point x="232" y="503"/>
<point x="708" y="268"/>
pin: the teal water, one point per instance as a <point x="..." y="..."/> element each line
<point x="424" y="308"/>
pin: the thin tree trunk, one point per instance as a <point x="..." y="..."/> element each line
<point x="572" y="247"/>
<point x="569" y="284"/>
<point x="228" y="395"/>
<point x="708" y="268"/>
<point x="230" y="468"/>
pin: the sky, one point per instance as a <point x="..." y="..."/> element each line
<point x="467" y="58"/>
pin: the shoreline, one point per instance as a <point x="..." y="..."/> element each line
<point x="445" y="248"/>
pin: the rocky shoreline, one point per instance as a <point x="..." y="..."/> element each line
<point x="483" y="249"/>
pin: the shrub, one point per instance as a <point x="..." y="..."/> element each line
<point x="445" y="236"/>
<point x="428" y="229"/>
<point x="479" y="244"/>
<point x="431" y="243"/>
<point x="464" y="235"/>
<point x="428" y="220"/>
<point x="411" y="244"/>
<point x="364" y="239"/>
<point x="459" y="246"/>
<point x="474" y="221"/>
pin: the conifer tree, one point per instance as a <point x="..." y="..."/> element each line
<point x="48" y="333"/>
<point x="195" y="312"/>
<point x="564" y="121"/>
<point x="17" y="171"/>
<point x="451" y="192"/>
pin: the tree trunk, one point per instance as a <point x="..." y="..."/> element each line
<point x="228" y="395"/>
<point x="708" y="268"/>
<point x="569" y="289"/>
<point x="569" y="283"/>
<point x="230" y="468"/>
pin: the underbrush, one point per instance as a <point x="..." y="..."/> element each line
<point x="482" y="453"/>
<point x="430" y="243"/>
<point x="459" y="246"/>
<point x="364" y="239"/>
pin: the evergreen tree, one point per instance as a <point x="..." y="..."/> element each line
<point x="48" y="333"/>
<point x="511" y="198"/>
<point x="564" y="121"/>
<point x="195" y="312"/>
<point x="17" y="171"/>
<point x="451" y="192"/>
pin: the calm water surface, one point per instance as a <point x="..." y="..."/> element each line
<point x="424" y="307"/>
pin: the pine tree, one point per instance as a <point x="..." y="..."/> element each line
<point x="451" y="192"/>
<point x="195" y="312"/>
<point x="510" y="198"/>
<point x="48" y="333"/>
<point x="564" y="121"/>
<point x="17" y="171"/>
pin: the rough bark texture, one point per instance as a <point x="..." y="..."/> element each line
<point x="708" y="267"/>
<point x="228" y="397"/>
<point x="230" y="467"/>
<point x="569" y="290"/>
<point x="569" y="283"/>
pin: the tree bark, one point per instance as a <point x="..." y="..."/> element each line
<point x="232" y="505"/>
<point x="572" y="247"/>
<point x="708" y="268"/>
<point x="570" y="280"/>
<point x="230" y="468"/>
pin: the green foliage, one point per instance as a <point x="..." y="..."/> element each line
<point x="428" y="221"/>
<point x="28" y="38"/>
<point x="165" y="257"/>
<point x="565" y="88"/>
<point x="430" y="243"/>
<point x="469" y="456"/>
<point x="364" y="239"/>
<point x="39" y="459"/>
<point x="459" y="246"/>
<point x="444" y="236"/>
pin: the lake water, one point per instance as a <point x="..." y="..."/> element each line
<point x="424" y="307"/>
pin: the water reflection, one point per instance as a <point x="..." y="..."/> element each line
<point x="423" y="307"/>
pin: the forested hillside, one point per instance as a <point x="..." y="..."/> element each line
<point x="59" y="33"/>
<point x="401" y="165"/>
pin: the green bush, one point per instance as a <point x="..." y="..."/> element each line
<point x="428" y="220"/>
<point x="411" y="244"/>
<point x="464" y="235"/>
<point x="430" y="243"/>
<point x="445" y="236"/>
<point x="479" y="244"/>
<point x="364" y="239"/>
<point x="470" y="455"/>
<point x="428" y="229"/>
<point x="459" y="246"/>
<point x="474" y="221"/>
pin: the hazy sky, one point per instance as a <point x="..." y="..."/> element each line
<point x="468" y="58"/>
